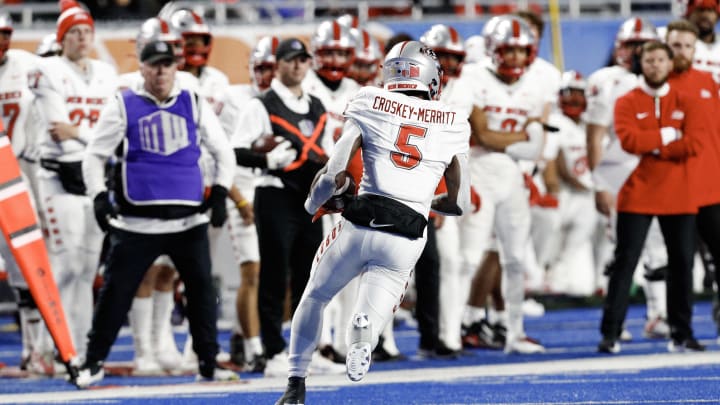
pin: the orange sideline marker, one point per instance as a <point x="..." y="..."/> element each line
<point x="19" y="226"/>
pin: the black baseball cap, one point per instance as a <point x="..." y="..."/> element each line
<point x="157" y="51"/>
<point x="290" y="48"/>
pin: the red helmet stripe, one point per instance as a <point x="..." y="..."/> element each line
<point x="275" y="42"/>
<point x="638" y="25"/>
<point x="336" y="31"/>
<point x="515" y="29"/>
<point x="164" y="27"/>
<point x="366" y="39"/>
<point x="453" y="35"/>
<point x="197" y="18"/>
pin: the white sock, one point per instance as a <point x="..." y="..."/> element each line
<point x="31" y="327"/>
<point x="163" y="338"/>
<point x="472" y="315"/>
<point x="140" y="318"/>
<point x="252" y="345"/>
<point x="655" y="294"/>
<point x="501" y="317"/>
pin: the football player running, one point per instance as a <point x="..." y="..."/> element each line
<point x="409" y="142"/>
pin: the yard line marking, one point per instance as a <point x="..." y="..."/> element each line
<point x="602" y="364"/>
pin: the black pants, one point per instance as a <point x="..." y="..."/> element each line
<point x="427" y="284"/>
<point x="288" y="241"/>
<point x="130" y="256"/>
<point x="708" y="225"/>
<point x="679" y="235"/>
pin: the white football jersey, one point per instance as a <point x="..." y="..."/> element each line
<point x="707" y="57"/>
<point x="456" y="95"/>
<point x="212" y="84"/>
<point x="334" y="102"/>
<point x="572" y="141"/>
<point x="475" y="50"/>
<point x="232" y="101"/>
<point x="66" y="94"/>
<point x="507" y="106"/>
<point x="547" y="76"/>
<point x="16" y="98"/>
<point x="604" y="88"/>
<point x="602" y="91"/>
<point x="407" y="144"/>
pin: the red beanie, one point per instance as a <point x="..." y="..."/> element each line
<point x="71" y="14"/>
<point x="693" y="4"/>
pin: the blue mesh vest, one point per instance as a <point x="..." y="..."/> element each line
<point x="159" y="174"/>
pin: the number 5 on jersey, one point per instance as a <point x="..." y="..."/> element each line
<point x="409" y="156"/>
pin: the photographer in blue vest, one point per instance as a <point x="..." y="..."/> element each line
<point x="157" y="204"/>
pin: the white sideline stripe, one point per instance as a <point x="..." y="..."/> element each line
<point x="13" y="190"/>
<point x="26" y="238"/>
<point x="574" y="366"/>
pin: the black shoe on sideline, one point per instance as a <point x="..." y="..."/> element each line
<point x="439" y="352"/>
<point x="688" y="345"/>
<point x="237" y="350"/>
<point x="294" y="393"/>
<point x="610" y="346"/>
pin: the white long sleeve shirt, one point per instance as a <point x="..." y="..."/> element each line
<point x="110" y="132"/>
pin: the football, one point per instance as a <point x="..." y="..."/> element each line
<point x="266" y="143"/>
<point x="338" y="202"/>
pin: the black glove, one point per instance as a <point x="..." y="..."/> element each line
<point x="103" y="210"/>
<point x="216" y="203"/>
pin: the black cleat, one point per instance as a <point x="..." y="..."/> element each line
<point x="88" y="374"/>
<point x="499" y="334"/>
<point x="440" y="352"/>
<point x="610" y="346"/>
<point x="294" y="393"/>
<point x="481" y="335"/>
<point x="237" y="350"/>
<point x="688" y="345"/>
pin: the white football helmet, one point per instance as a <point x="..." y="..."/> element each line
<point x="5" y="27"/>
<point x="572" y="94"/>
<point x="348" y="21"/>
<point x="330" y="35"/>
<point x="189" y="23"/>
<point x="412" y="66"/>
<point x="48" y="46"/>
<point x="443" y="39"/>
<point x="368" y="57"/>
<point x="510" y="31"/>
<point x="157" y="29"/>
<point x="634" y="31"/>
<point x="263" y="55"/>
<point x="488" y="29"/>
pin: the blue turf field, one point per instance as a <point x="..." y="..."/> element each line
<point x="571" y="372"/>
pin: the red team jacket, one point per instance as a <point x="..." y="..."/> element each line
<point x="701" y="87"/>
<point x="661" y="183"/>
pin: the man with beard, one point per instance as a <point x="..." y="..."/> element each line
<point x="682" y="38"/>
<point x="704" y="14"/>
<point x="663" y="127"/>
